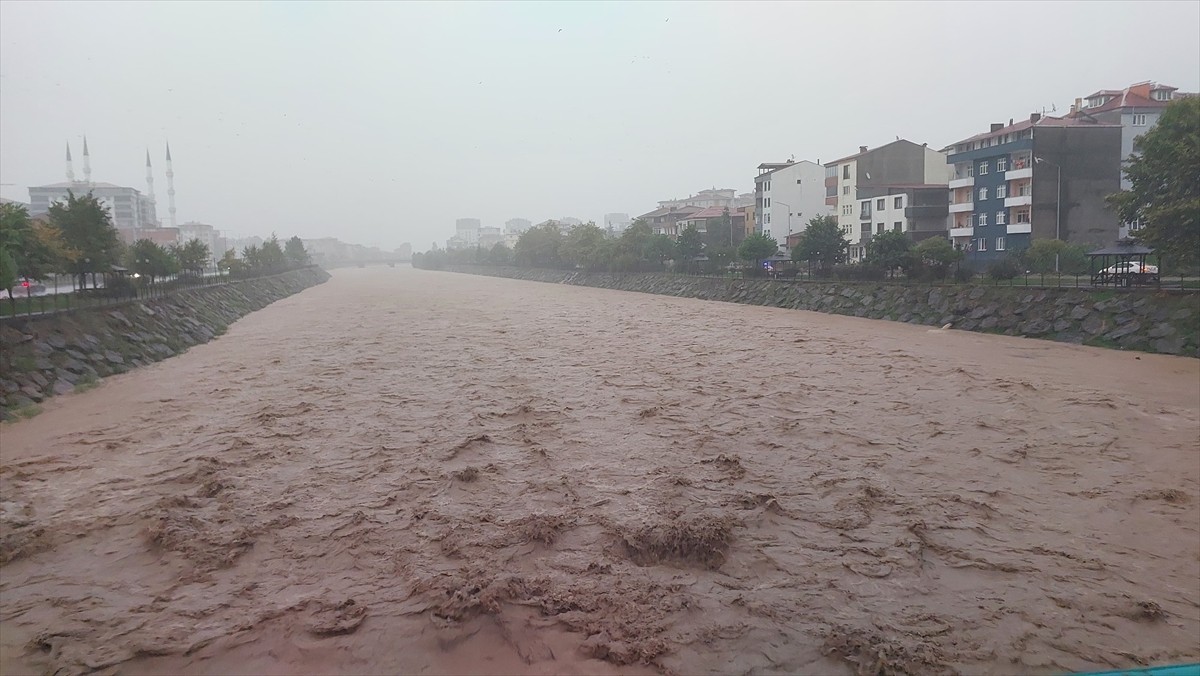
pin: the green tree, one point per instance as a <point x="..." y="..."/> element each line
<point x="719" y="232"/>
<point x="231" y="264"/>
<point x="757" y="247"/>
<point x="87" y="230"/>
<point x="151" y="261"/>
<point x="822" y="243"/>
<point x="252" y="258"/>
<point x="36" y="247"/>
<point x="295" y="252"/>
<point x="271" y="254"/>
<point x="193" y="256"/>
<point x="689" y="246"/>
<point x="538" y="247"/>
<point x="1041" y="254"/>
<point x="659" y="250"/>
<point x="500" y="254"/>
<point x="1165" y="192"/>
<point x="888" y="250"/>
<point x="583" y="247"/>
<point x="8" y="271"/>
<point x="937" y="254"/>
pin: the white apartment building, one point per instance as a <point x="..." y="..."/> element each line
<point x="787" y="195"/>
<point x="467" y="231"/>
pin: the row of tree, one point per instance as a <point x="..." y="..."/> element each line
<point x="77" y="237"/>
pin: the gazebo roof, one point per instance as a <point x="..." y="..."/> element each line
<point x="1125" y="247"/>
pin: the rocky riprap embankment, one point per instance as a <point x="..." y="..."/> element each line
<point x="1137" y="319"/>
<point x="51" y="355"/>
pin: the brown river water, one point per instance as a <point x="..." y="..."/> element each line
<point x="417" y="472"/>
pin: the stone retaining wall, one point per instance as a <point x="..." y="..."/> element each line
<point x="1136" y="319"/>
<point x="53" y="354"/>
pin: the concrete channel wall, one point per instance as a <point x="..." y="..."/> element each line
<point x="1137" y="319"/>
<point x="47" y="355"/>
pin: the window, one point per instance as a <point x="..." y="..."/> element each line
<point x="999" y="244"/>
<point x="845" y="190"/>
<point x="983" y="168"/>
<point x="1000" y="217"/>
<point x="1001" y="192"/>
<point x="1139" y="120"/>
<point x="847" y="210"/>
<point x="982" y="244"/>
<point x="1023" y="216"/>
<point x="898" y="203"/>
<point x="768" y="203"/>
<point x="982" y="193"/>
<point x="866" y="210"/>
<point x="1135" y="224"/>
<point x="1161" y="94"/>
<point x="879" y="227"/>
<point x="879" y="204"/>
<point x="982" y="219"/>
<point x="865" y="229"/>
<point x="846" y="172"/>
<point x="898" y="226"/>
<point x="1002" y="164"/>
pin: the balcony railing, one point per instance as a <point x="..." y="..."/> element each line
<point x="962" y="232"/>
<point x="961" y="207"/>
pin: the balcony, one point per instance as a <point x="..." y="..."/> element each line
<point x="962" y="182"/>
<point x="1020" y="228"/>
<point x="962" y="232"/>
<point x="1014" y="174"/>
<point x="864" y="216"/>
<point x="961" y="207"/>
<point x="1018" y="201"/>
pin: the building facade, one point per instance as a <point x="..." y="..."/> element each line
<point x="1041" y="178"/>
<point x="128" y="207"/>
<point x="490" y="237"/>
<point x="517" y="225"/>
<point x="900" y="162"/>
<point x="711" y="197"/>
<point x="1137" y="109"/>
<point x="616" y="222"/>
<point x="665" y="220"/>
<point x="919" y="211"/>
<point x="207" y="234"/>
<point x="467" y="230"/>
<point x="786" y="196"/>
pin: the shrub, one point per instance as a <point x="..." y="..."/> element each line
<point x="1005" y="268"/>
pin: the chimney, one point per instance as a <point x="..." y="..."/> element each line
<point x="1010" y="122"/>
<point x="997" y="126"/>
<point x="862" y="149"/>
<point x="1034" y="117"/>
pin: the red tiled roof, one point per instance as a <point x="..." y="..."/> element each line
<point x="710" y="212"/>
<point x="1137" y="95"/>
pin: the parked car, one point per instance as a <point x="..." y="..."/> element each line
<point x="1132" y="268"/>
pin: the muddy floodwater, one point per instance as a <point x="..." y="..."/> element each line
<point x="418" y="472"/>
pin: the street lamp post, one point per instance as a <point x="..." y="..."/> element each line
<point x="1057" y="204"/>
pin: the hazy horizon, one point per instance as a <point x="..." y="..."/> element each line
<point x="381" y="123"/>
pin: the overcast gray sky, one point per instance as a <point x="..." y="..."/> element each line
<point x="381" y="123"/>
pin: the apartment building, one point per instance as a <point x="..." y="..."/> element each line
<point x="786" y="196"/>
<point x="466" y="230"/>
<point x="1044" y="177"/>
<point x="919" y="211"/>
<point x="665" y="220"/>
<point x="900" y="162"/>
<point x="1137" y="109"/>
